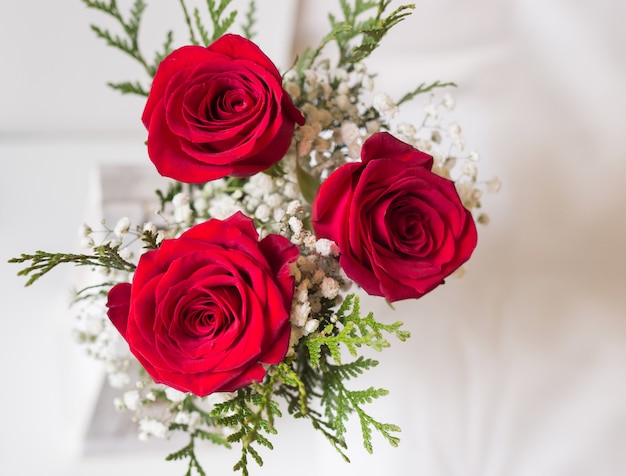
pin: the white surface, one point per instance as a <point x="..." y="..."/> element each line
<point x="519" y="369"/>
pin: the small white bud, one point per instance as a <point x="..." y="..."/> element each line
<point x="311" y="326"/>
<point x="349" y="132"/>
<point x="263" y="212"/>
<point x="84" y="230"/>
<point x="494" y="185"/>
<point x="329" y="288"/>
<point x="326" y="247"/>
<point x="294" y="207"/>
<point x="118" y="403"/>
<point x="125" y="253"/>
<point x="473" y="156"/>
<point x="122" y="226"/>
<point x="132" y="399"/>
<point x="149" y="227"/>
<point x="384" y="105"/>
<point x="431" y="111"/>
<point x="448" y="101"/>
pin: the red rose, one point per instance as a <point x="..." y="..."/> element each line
<point x="218" y="111"/>
<point x="206" y="310"/>
<point x="400" y="228"/>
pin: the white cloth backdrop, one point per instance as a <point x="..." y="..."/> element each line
<point x="518" y="369"/>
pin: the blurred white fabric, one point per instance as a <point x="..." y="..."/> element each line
<point x="517" y="369"/>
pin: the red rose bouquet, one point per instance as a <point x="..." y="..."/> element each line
<point x="289" y="195"/>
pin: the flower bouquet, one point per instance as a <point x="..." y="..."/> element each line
<point x="289" y="194"/>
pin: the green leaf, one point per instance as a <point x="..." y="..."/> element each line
<point x="129" y="88"/>
<point x="248" y="26"/>
<point x="309" y="185"/>
<point x="424" y="88"/>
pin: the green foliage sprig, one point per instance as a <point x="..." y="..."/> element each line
<point x="129" y="41"/>
<point x="356" y="38"/>
<point x="221" y="21"/>
<point x="42" y="262"/>
<point x="248" y="26"/>
<point x="424" y="88"/>
<point x="352" y="332"/>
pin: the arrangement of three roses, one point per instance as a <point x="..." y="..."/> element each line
<point x="207" y="310"/>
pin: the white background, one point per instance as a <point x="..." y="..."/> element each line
<point x="517" y="369"/>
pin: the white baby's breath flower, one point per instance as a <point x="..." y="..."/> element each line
<point x="182" y="209"/>
<point x="448" y="101"/>
<point x="121" y="227"/>
<point x="407" y="130"/>
<point x="368" y="83"/>
<point x="304" y="147"/>
<point x="150" y="427"/>
<point x="384" y="105"/>
<point x="132" y="400"/>
<point x="473" y="156"/>
<point x="343" y="102"/>
<point x="431" y="111"/>
<point x="195" y="420"/>
<point x="470" y="169"/>
<point x="329" y="288"/>
<point x="301" y="293"/>
<point x="349" y="132"/>
<point x="318" y="276"/>
<point x="182" y="418"/>
<point x="149" y="227"/>
<point x="300" y="313"/>
<point x="454" y="130"/>
<point x="125" y="253"/>
<point x="354" y="150"/>
<point x="118" y="379"/>
<point x="274" y="200"/>
<point x="326" y="247"/>
<point x="296" y="225"/>
<point x="294" y="207"/>
<point x="84" y="230"/>
<point x="494" y="185"/>
<point x="311" y="326"/>
<point x="263" y="212"/>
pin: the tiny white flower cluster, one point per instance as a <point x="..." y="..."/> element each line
<point x="338" y="117"/>
<point x="156" y="407"/>
<point x="318" y="282"/>
<point x="101" y="341"/>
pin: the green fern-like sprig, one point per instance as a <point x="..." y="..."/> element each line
<point x="128" y="42"/>
<point x="424" y="88"/>
<point x="356" y="39"/>
<point x="220" y="21"/>
<point x="374" y="29"/>
<point x="340" y="403"/>
<point x="251" y="414"/>
<point x="188" y="452"/>
<point x="250" y="21"/>
<point x="42" y="262"/>
<point x="352" y="331"/>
